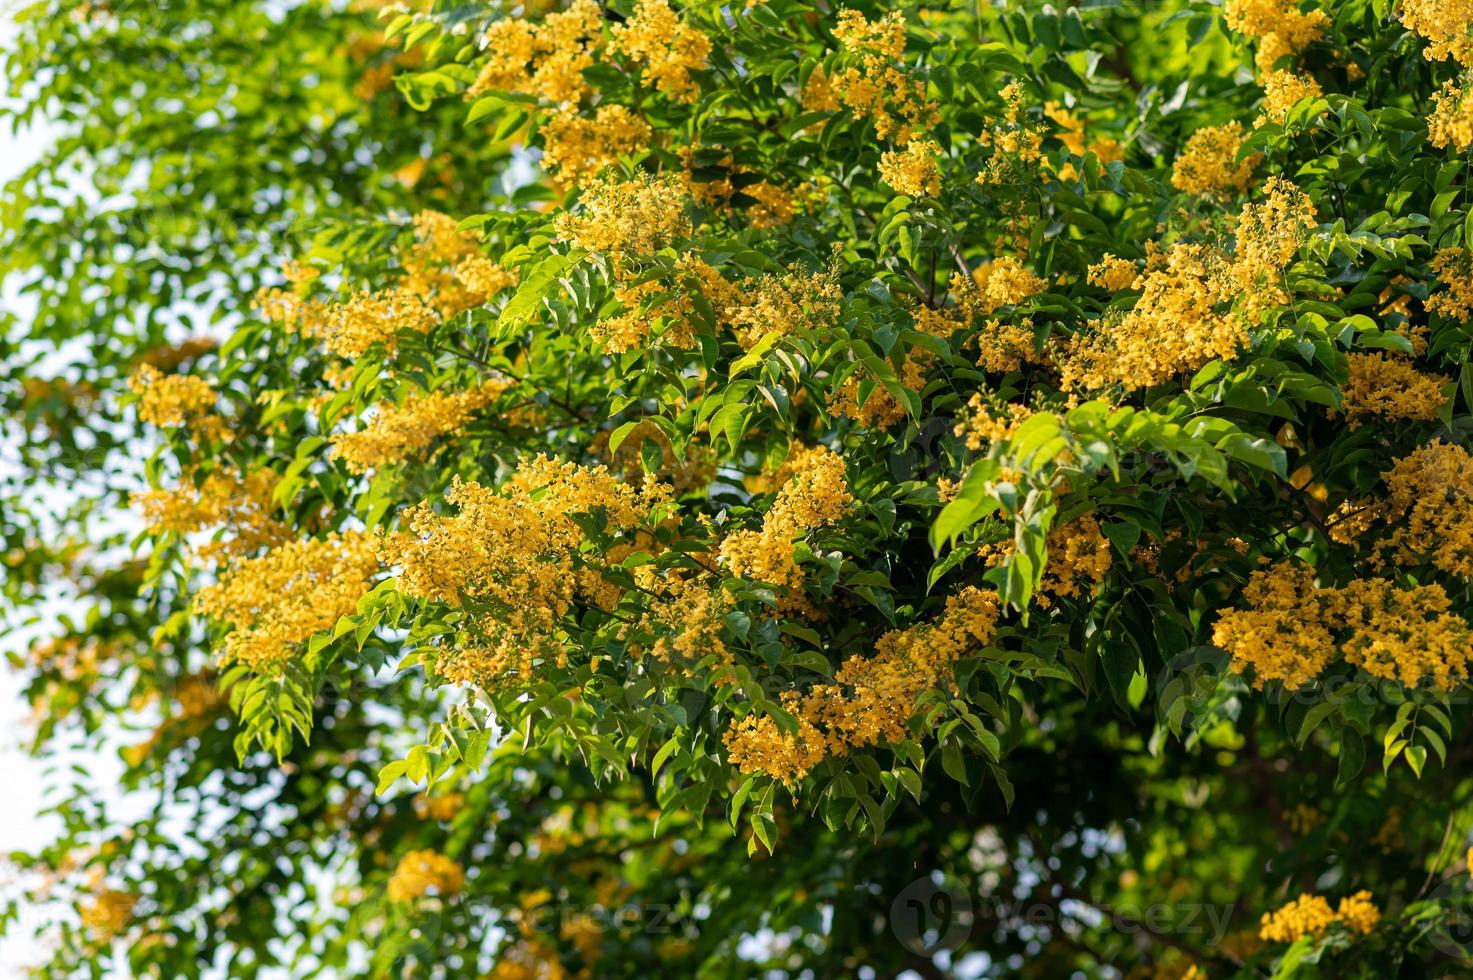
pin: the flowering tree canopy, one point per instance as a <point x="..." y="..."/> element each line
<point x="579" y="489"/>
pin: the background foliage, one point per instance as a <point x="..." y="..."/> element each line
<point x="619" y="490"/>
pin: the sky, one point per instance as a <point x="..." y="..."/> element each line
<point x="21" y="775"/>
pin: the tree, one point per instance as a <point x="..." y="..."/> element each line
<point x="782" y="489"/>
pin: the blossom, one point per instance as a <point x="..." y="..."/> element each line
<point x="1389" y="386"/>
<point x="1448" y="24"/>
<point x="666" y="49"/>
<point x="1451" y="121"/>
<point x="275" y="602"/>
<point x="1208" y="164"/>
<point x="912" y="171"/>
<point x="627" y="217"/>
<point x="420" y="872"/>
<point x="875" y="83"/>
<point x="399" y="431"/>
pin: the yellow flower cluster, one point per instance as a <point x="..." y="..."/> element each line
<point x="813" y="496"/>
<point x="441" y="807"/>
<point x="1448" y="24"/>
<point x="171" y="400"/>
<point x="1177" y="325"/>
<point x="368" y="318"/>
<point x="785" y="304"/>
<point x="1451" y="122"/>
<point x="1430" y="509"/>
<point x="513" y="549"/>
<point x="420" y="872"/>
<point x="1004" y="281"/>
<point x="1311" y="915"/>
<point x="872" y="699"/>
<point x="1281" y="27"/>
<point x="1016" y="142"/>
<point x="1283" y="90"/>
<point x="1293" y="629"/>
<point x="242" y="504"/>
<point x="276" y="602"/>
<point x="627" y="217"/>
<point x="484" y="278"/>
<point x="400" y="431"/>
<point x="1112" y="273"/>
<point x="878" y="86"/>
<point x="1174" y="327"/>
<point x="880" y="409"/>
<point x="1268" y="234"/>
<point x="430" y="263"/>
<point x="1208" y="164"/>
<point x="683" y="622"/>
<point x="1454" y="269"/>
<point x="107" y="913"/>
<point x="986" y="421"/>
<point x="545" y="59"/>
<point x="668" y="50"/>
<point x="653" y="304"/>
<point x="1390" y="387"/>
<point x="818" y="93"/>
<point x="1078" y="558"/>
<point x="576" y="148"/>
<point x="912" y="171"/>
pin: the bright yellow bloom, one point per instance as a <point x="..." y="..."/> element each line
<point x="1209" y="164"/>
<point x="877" y="86"/>
<point x="627" y="217"/>
<point x="1430" y="509"/>
<point x="1307" y="915"/>
<point x="1448" y="24"/>
<point x="1283" y="90"/>
<point x="1454" y="269"/>
<point x="1112" y="273"/>
<point x="274" y="603"/>
<point x="1389" y="386"/>
<point x="420" y="872"/>
<point x="667" y="49"/>
<point x="171" y="400"/>
<point x="1451" y="122"/>
<point x="912" y="171"/>
<point x="400" y="431"/>
<point x="546" y="59"/>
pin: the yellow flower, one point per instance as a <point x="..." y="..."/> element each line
<point x="1448" y="24"/>
<point x="667" y="49"/>
<point x="400" y="431"/>
<point x="627" y="217"/>
<point x="1283" y="90"/>
<point x="1451" y="122"/>
<point x="913" y="171"/>
<point x="274" y="603"/>
<point x="1307" y="915"/>
<point x="546" y="59"/>
<point x="420" y="872"/>
<point x="1208" y="164"/>
<point x="1112" y="273"/>
<point x="170" y="400"/>
<point x="1389" y="386"/>
<point x="877" y="85"/>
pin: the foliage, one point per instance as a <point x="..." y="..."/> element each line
<point x="785" y="489"/>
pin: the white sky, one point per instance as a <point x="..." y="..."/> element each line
<point x="21" y="775"/>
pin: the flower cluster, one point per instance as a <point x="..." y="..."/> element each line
<point x="1451" y="121"/>
<point x="576" y="148"/>
<point x="1429" y="509"/>
<point x="1454" y="269"/>
<point x="667" y="49"/>
<point x="420" y="872"/>
<point x="511" y="552"/>
<point x="1078" y="558"/>
<point x="872" y="698"/>
<point x="1448" y="24"/>
<point x="1294" y="629"/>
<point x="171" y="400"/>
<point x="1388" y="386"/>
<point x="878" y="86"/>
<point x="1015" y="141"/>
<point x="627" y="217"/>
<point x="545" y="59"/>
<point x="1281" y="27"/>
<point x="912" y="171"/>
<point x="240" y="504"/>
<point x="813" y="496"/>
<point x="277" y="601"/>
<point x="1311" y="915"/>
<point x="784" y="304"/>
<point x="400" y="431"/>
<point x="1208" y="164"/>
